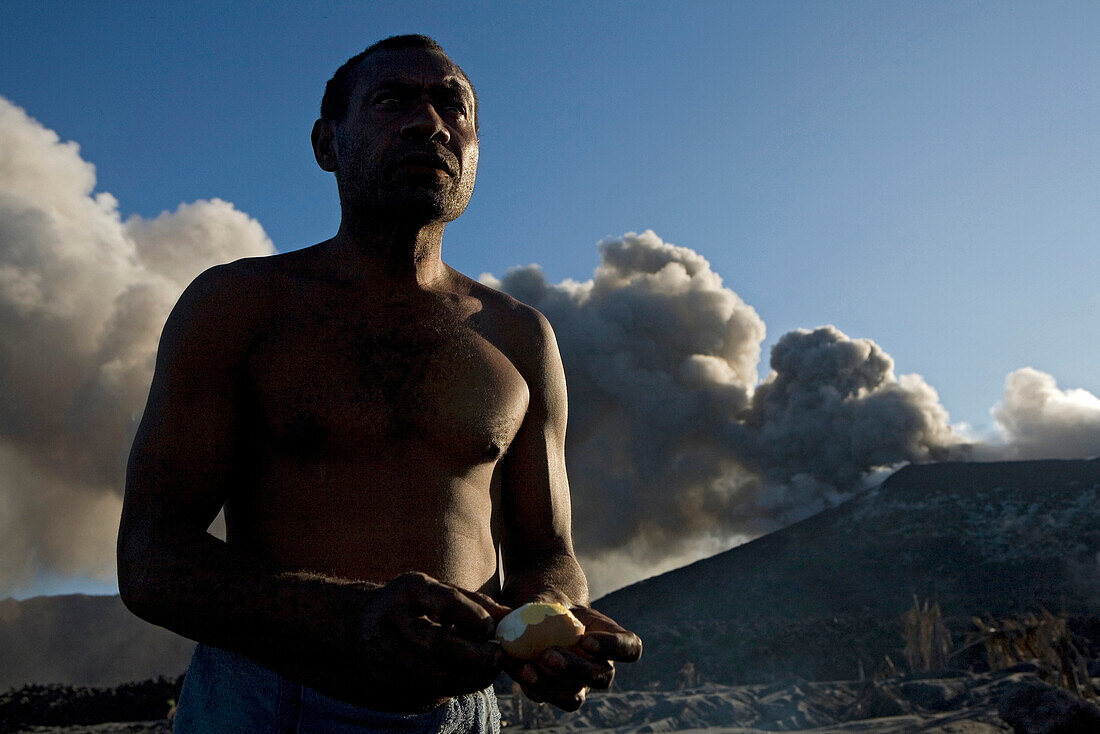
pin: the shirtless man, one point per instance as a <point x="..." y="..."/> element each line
<point x="376" y="426"/>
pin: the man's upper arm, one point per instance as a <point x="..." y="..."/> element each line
<point x="535" y="495"/>
<point x="183" y="454"/>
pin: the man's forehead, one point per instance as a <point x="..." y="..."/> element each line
<point x="415" y="66"/>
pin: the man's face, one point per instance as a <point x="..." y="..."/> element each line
<point x="407" y="146"/>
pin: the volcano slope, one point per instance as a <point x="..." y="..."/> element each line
<point x="83" y="640"/>
<point x="822" y="599"/>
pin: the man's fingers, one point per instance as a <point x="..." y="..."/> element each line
<point x="568" y="699"/>
<point x="626" y="647"/>
<point x="442" y="643"/>
<point x="467" y="664"/>
<point x="548" y="689"/>
<point x="496" y="610"/>
<point x="605" y="638"/>
<point x="560" y="677"/>
<point x="577" y="669"/>
<point x="453" y="607"/>
<point x="527" y="675"/>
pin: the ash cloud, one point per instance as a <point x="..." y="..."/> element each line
<point x="677" y="451"/>
<point x="1039" y="421"/>
<point x="83" y="297"/>
<point x="659" y="358"/>
<point x="831" y="412"/>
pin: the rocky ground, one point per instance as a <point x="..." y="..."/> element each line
<point x="130" y="727"/>
<point x="1014" y="700"/>
<point x="1006" y="701"/>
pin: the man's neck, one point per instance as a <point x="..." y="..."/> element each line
<point x="402" y="254"/>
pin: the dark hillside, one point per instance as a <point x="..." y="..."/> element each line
<point x="83" y="641"/>
<point x="819" y="597"/>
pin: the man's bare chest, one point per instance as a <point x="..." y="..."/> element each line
<point x="335" y="386"/>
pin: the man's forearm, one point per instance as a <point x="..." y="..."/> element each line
<point x="548" y="578"/>
<point x="208" y="592"/>
<point x="405" y="645"/>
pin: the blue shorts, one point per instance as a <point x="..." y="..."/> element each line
<point x="226" y="693"/>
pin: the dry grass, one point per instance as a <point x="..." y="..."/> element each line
<point x="927" y="639"/>
<point x="1043" y="639"/>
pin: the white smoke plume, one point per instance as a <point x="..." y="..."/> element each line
<point x="675" y="451"/>
<point x="1039" y="421"/>
<point x="83" y="297"/>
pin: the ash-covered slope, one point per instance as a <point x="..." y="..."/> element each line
<point x="820" y="597"/>
<point x="84" y="641"/>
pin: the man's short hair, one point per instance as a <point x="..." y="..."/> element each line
<point x="334" y="103"/>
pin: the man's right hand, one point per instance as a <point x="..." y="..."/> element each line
<point x="432" y="636"/>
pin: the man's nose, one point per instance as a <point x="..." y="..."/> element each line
<point x="424" y="122"/>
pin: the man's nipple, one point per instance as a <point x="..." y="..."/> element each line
<point x="492" y="451"/>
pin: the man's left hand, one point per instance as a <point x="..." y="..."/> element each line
<point x="563" y="676"/>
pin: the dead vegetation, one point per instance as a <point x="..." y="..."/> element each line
<point x="1044" y="640"/>
<point x="927" y="639"/>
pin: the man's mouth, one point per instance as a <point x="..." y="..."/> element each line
<point x="426" y="162"/>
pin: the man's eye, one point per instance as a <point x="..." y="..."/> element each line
<point x="455" y="105"/>
<point x="387" y="100"/>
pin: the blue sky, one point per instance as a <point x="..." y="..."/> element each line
<point x="925" y="175"/>
<point x="922" y="174"/>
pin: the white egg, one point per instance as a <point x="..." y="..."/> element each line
<point x="535" y="627"/>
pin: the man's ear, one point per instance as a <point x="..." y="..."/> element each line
<point x="323" y="150"/>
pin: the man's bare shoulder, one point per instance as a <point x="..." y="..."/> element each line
<point x="251" y="272"/>
<point x="235" y="284"/>
<point x="247" y="286"/>
<point x="525" y="333"/>
<point x="230" y="302"/>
